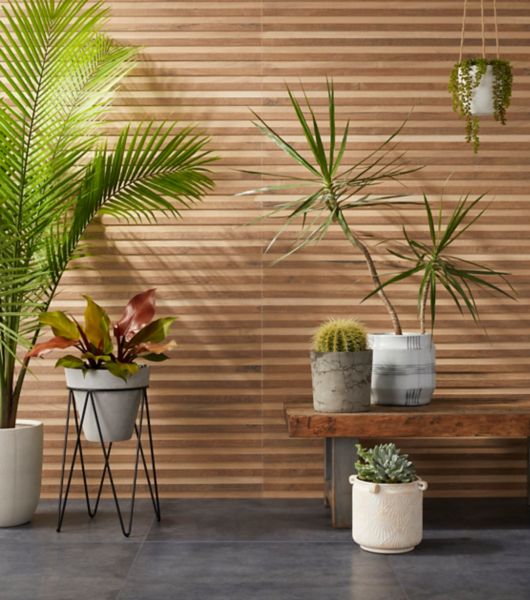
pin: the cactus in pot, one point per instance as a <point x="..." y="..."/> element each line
<point x="341" y="367"/>
<point x="387" y="500"/>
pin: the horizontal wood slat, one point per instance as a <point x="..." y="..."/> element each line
<point x="244" y="326"/>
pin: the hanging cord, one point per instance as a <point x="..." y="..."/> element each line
<point x="483" y="28"/>
<point x="496" y="28"/>
<point x="463" y="31"/>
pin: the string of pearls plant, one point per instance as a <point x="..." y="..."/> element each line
<point x="465" y="79"/>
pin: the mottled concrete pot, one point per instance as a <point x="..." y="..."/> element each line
<point x="387" y="518"/>
<point x="341" y="381"/>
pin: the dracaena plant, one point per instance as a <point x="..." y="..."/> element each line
<point x="330" y="191"/>
<point x="434" y="261"/>
<point x="136" y="336"/>
<point x="58" y="74"/>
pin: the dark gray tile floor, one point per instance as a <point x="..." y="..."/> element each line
<point x="264" y="550"/>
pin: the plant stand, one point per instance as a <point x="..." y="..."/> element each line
<point x="106" y="450"/>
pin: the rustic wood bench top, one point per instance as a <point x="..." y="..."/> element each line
<point x="473" y="417"/>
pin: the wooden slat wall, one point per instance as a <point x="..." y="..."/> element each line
<point x="243" y="325"/>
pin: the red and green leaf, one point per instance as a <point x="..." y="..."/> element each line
<point x="56" y="343"/>
<point x="122" y="370"/>
<point x="61" y="325"/>
<point x="97" y="326"/>
<point x="138" y="313"/>
<point x="155" y="332"/>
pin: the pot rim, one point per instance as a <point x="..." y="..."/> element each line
<point x="395" y="335"/>
<point x="387" y="485"/>
<point x="23" y="424"/>
<point x="141" y="365"/>
<point x="360" y="352"/>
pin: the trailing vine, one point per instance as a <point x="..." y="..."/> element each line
<point x="465" y="78"/>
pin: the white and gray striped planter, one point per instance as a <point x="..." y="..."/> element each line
<point x="403" y="371"/>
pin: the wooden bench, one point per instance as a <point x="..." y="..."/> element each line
<point x="443" y="418"/>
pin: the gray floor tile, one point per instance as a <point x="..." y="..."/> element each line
<point x="246" y="520"/>
<point x="89" y="571"/>
<point x="77" y="525"/>
<point x="469" y="573"/>
<point x="259" y="571"/>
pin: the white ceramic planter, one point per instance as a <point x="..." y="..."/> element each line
<point x="116" y="410"/>
<point x="403" y="371"/>
<point x="387" y="518"/>
<point x="20" y="472"/>
<point x="482" y="95"/>
<point x="341" y="381"/>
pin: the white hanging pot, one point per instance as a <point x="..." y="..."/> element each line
<point x="403" y="370"/>
<point x="387" y="518"/>
<point x="341" y="381"/>
<point x="116" y="402"/>
<point x="20" y="472"/>
<point x="482" y="103"/>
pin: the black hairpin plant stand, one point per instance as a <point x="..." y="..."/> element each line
<point x="106" y="450"/>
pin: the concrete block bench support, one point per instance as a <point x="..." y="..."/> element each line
<point x="339" y="457"/>
<point x="475" y="416"/>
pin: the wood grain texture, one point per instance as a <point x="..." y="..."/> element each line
<point x="243" y="325"/>
<point x="506" y="417"/>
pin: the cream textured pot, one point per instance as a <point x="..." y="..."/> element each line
<point x="403" y="371"/>
<point x="20" y="472"/>
<point x="387" y="517"/>
<point x="341" y="381"/>
<point x="116" y="410"/>
<point x="482" y="95"/>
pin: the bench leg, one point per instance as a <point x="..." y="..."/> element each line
<point x="339" y="463"/>
<point x="528" y="470"/>
<point x="328" y="461"/>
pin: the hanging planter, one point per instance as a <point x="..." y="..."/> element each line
<point x="480" y="86"/>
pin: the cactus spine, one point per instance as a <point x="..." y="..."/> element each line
<point x="340" y="335"/>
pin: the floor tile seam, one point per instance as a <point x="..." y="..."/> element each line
<point x="240" y="541"/>
<point x="134" y="560"/>
<point x="398" y="579"/>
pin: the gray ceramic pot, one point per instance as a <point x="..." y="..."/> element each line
<point x="341" y="381"/>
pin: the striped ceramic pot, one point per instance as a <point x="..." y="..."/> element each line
<point x="403" y="371"/>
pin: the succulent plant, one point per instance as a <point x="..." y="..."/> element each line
<point x="384" y="463"/>
<point x="340" y="335"/>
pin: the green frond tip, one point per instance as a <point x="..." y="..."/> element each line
<point x="340" y="335"/>
<point x="384" y="463"/>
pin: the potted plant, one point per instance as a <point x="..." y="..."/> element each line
<point x="330" y="195"/>
<point x="58" y="73"/>
<point x="480" y="87"/>
<point x="404" y="370"/>
<point x="341" y="367"/>
<point x="104" y="365"/>
<point x="387" y="501"/>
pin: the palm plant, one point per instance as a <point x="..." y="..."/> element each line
<point x="332" y="193"/>
<point x="437" y="266"/>
<point x="59" y="72"/>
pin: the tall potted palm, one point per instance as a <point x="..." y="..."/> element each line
<point x="58" y="74"/>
